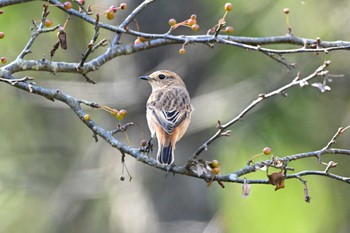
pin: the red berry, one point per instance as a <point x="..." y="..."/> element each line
<point x="87" y="117"/>
<point x="228" y="6"/>
<point x="229" y="29"/>
<point x="48" y="23"/>
<point x="67" y="5"/>
<point x="172" y="22"/>
<point x="82" y="2"/>
<point x="195" y="27"/>
<point x="182" y="51"/>
<point x="137" y="41"/>
<point x="191" y="22"/>
<point x="123" y="6"/>
<point x="214" y="163"/>
<point x="216" y="170"/>
<point x="1" y="12"/>
<point x="121" y="114"/>
<point x="143" y="142"/>
<point x="2" y="35"/>
<point x="3" y="60"/>
<point x="110" y="14"/>
<point x="267" y="150"/>
<point x="113" y="8"/>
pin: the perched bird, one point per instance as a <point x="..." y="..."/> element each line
<point x="168" y="112"/>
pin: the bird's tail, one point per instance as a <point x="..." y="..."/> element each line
<point x="165" y="153"/>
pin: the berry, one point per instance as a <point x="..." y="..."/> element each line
<point x="142" y="39"/>
<point x="214" y="163"/>
<point x="193" y="16"/>
<point x="48" y="23"/>
<point x="2" y="35"/>
<point x="113" y="8"/>
<point x="172" y="22"/>
<point x="195" y="27"/>
<point x="245" y="189"/>
<point x="228" y="6"/>
<point x="216" y="170"/>
<point x="82" y="2"/>
<point x="122" y="113"/>
<point x="110" y="14"/>
<point x="1" y="12"/>
<point x="122" y="178"/>
<point x="3" y="60"/>
<point x="229" y="29"/>
<point x="67" y="5"/>
<point x="191" y="22"/>
<point x="286" y="10"/>
<point x="267" y="150"/>
<point x="87" y="117"/>
<point x="123" y="6"/>
<point x="137" y="41"/>
<point x="143" y="143"/>
<point x="182" y="51"/>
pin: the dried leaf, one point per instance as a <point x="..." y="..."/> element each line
<point x="62" y="37"/>
<point x="245" y="189"/>
<point x="277" y="179"/>
<point x="55" y="47"/>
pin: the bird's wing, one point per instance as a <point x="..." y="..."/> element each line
<point x="171" y="108"/>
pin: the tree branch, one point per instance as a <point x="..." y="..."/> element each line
<point x="295" y="82"/>
<point x="116" y="49"/>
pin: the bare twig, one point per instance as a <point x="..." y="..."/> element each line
<point x="296" y="82"/>
<point x="307" y="197"/>
<point x="90" y="45"/>
<point x="16" y="80"/>
<point x="39" y="29"/>
<point x="121" y="128"/>
<point x="332" y="141"/>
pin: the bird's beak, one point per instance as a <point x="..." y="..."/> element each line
<point x="147" y="78"/>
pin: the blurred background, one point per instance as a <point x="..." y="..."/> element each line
<point x="55" y="178"/>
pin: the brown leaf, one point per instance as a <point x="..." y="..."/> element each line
<point x="277" y="179"/>
<point x="55" y="47"/>
<point x="62" y="38"/>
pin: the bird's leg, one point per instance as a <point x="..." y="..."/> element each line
<point x="169" y="169"/>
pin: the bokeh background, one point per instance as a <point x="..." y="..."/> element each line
<point x="55" y="178"/>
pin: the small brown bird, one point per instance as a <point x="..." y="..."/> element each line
<point x="168" y="112"/>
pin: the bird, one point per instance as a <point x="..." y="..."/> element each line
<point x="168" y="112"/>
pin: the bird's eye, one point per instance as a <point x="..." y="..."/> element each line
<point x="161" y="76"/>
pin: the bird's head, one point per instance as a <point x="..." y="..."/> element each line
<point x="163" y="78"/>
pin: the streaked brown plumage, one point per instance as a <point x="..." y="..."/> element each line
<point x="168" y="112"/>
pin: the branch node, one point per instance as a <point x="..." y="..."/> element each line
<point x="307" y="197"/>
<point x="331" y="164"/>
<point x="226" y="133"/>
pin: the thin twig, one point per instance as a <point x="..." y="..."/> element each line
<point x="295" y="82"/>
<point x="16" y="80"/>
<point x="121" y="128"/>
<point x="91" y="44"/>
